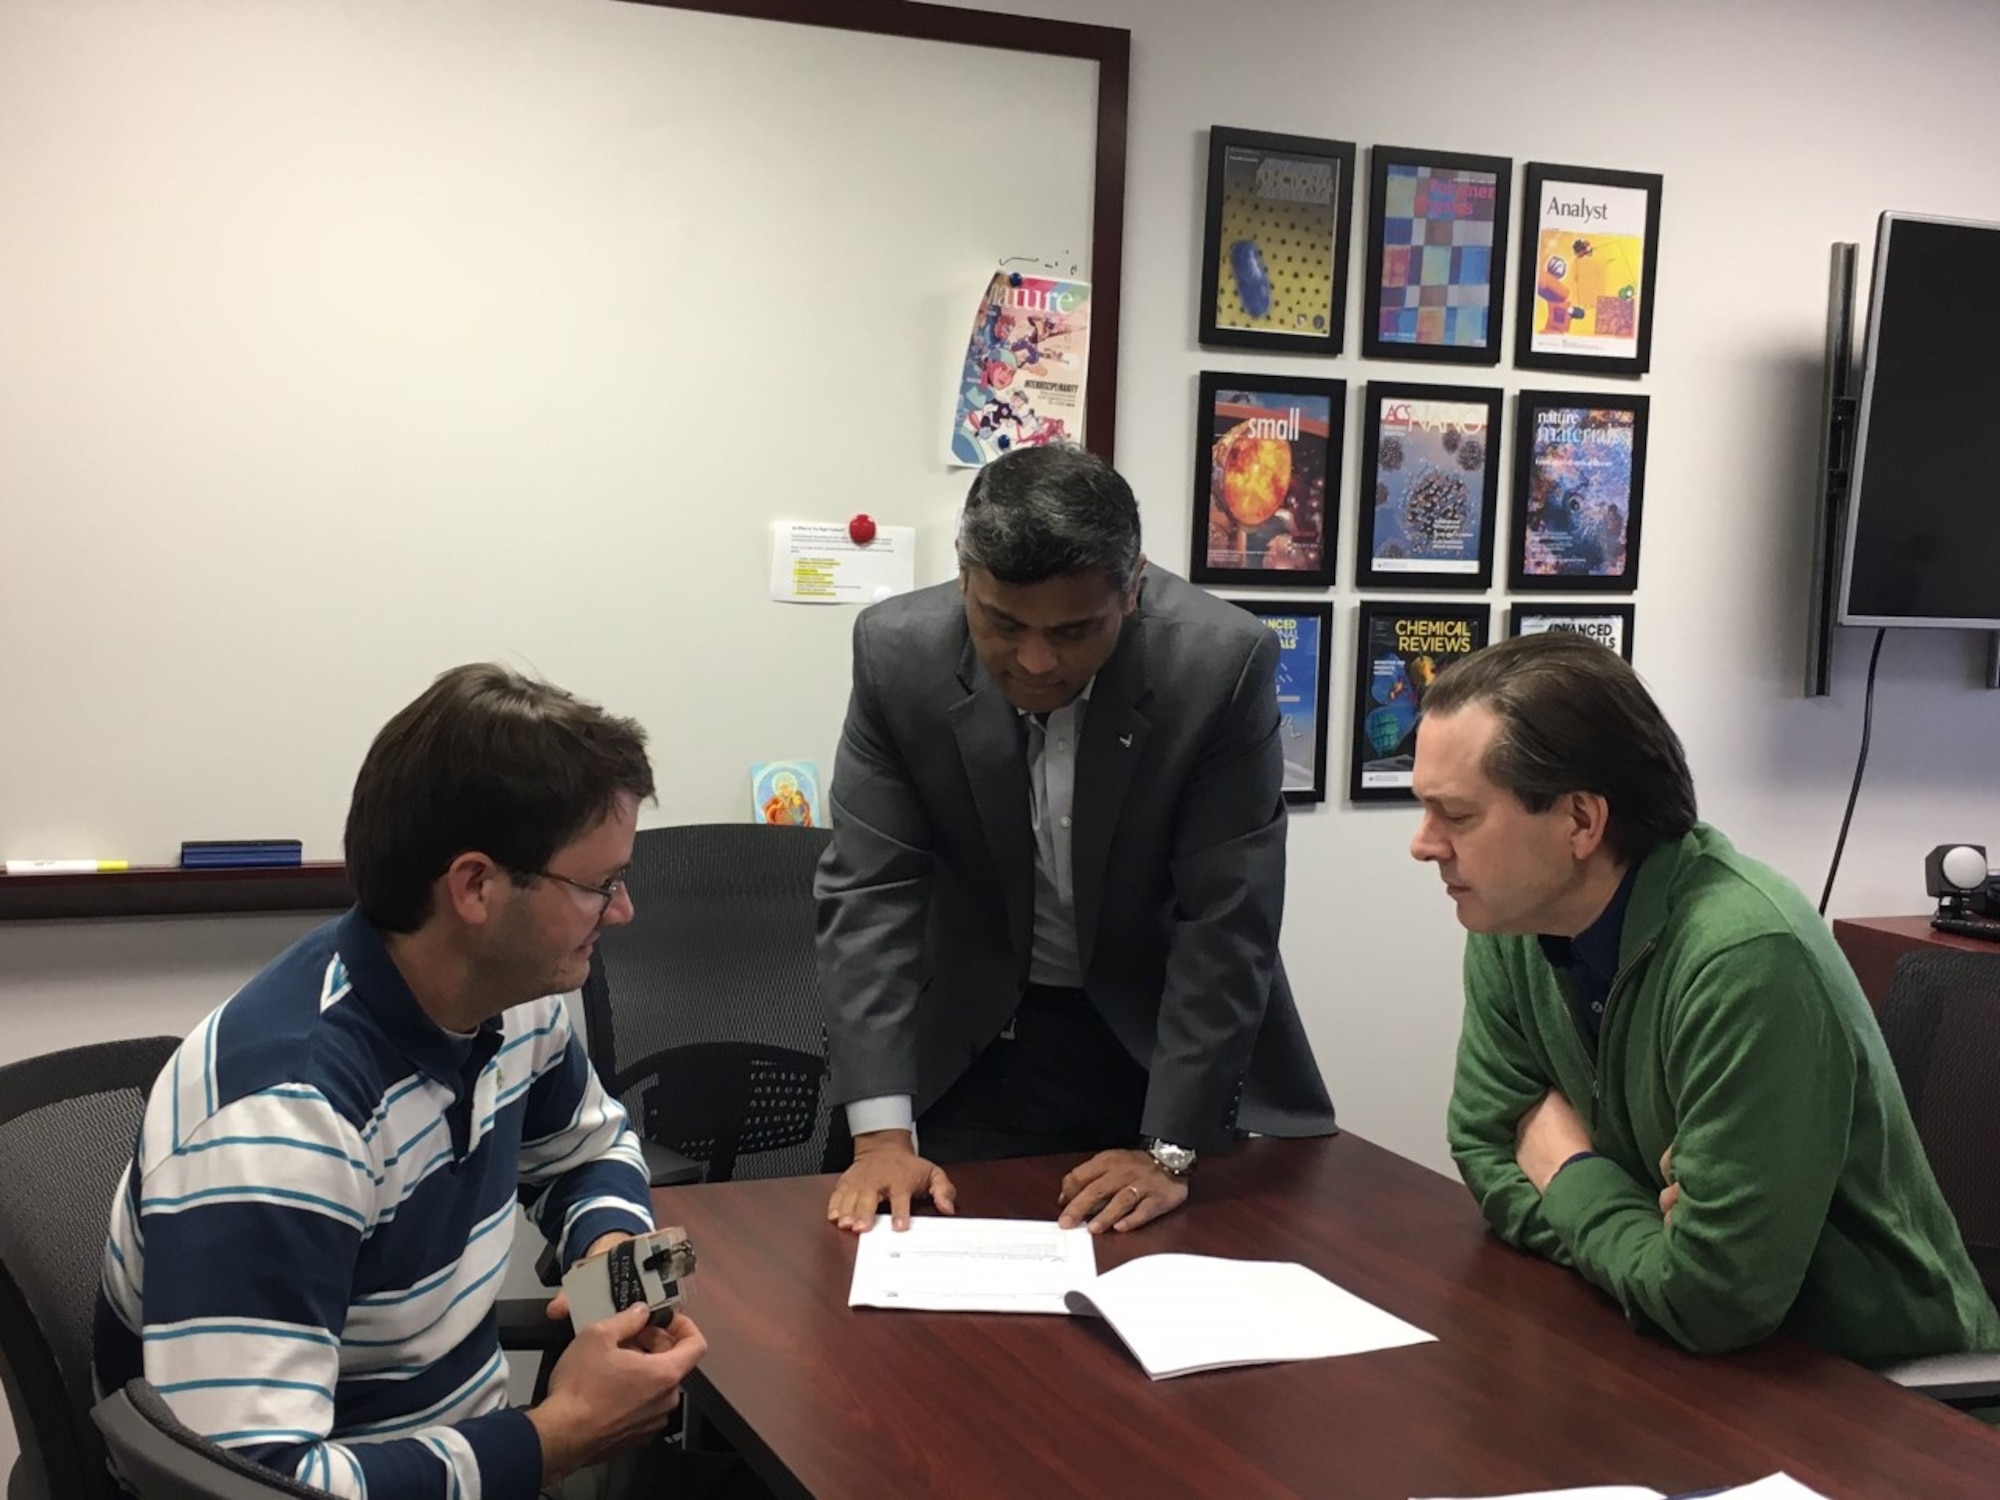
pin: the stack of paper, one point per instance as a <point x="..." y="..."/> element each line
<point x="1176" y="1313"/>
<point x="1775" y="1487"/>
<point x="1182" y="1313"/>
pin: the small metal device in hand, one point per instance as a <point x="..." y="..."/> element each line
<point x="651" y="1268"/>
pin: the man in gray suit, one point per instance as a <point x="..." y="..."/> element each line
<point x="1048" y="919"/>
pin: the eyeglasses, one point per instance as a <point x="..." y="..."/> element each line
<point x="607" y="893"/>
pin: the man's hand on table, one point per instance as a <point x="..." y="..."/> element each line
<point x="887" y="1169"/>
<point x="1119" y="1190"/>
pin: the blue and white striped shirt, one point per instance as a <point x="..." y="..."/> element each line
<point x="305" y="1254"/>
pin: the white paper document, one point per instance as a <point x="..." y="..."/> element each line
<point x="1176" y="1313"/>
<point x="1182" y="1313"/>
<point x="972" y="1265"/>
<point x="819" y="563"/>
<point x="1775" y="1487"/>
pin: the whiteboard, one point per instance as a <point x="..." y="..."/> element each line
<point x="347" y="340"/>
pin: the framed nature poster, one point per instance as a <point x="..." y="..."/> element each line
<point x="1579" y="491"/>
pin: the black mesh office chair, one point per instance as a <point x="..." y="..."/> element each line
<point x="703" y="1014"/>
<point x="67" y="1123"/>
<point x="1942" y="1023"/>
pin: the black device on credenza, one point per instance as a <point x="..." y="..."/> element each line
<point x="1966" y="890"/>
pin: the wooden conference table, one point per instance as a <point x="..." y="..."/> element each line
<point x="1536" y="1380"/>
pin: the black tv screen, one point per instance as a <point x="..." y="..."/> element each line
<point x="1923" y="517"/>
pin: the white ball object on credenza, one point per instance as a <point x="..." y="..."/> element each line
<point x="1964" y="867"/>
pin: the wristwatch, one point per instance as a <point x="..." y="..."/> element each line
<point x="1175" y="1161"/>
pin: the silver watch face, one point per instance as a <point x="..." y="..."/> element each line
<point x="1175" y="1159"/>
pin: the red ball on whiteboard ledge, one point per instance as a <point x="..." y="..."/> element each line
<point x="861" y="529"/>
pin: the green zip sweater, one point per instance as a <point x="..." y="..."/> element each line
<point x="1736" y="1034"/>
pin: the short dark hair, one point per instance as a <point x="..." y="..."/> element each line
<point x="485" y="759"/>
<point x="1040" y="513"/>
<point x="1575" y="718"/>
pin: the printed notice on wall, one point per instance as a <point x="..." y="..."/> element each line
<point x="819" y="563"/>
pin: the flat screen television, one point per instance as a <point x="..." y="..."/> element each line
<point x="1922" y="543"/>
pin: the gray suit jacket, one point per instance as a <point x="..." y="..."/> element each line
<point x="926" y="893"/>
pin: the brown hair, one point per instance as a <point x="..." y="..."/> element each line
<point x="485" y="759"/>
<point x="1575" y="718"/>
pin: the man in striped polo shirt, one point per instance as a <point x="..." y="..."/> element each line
<point x="305" y="1253"/>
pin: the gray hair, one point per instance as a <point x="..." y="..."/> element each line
<point x="1041" y="513"/>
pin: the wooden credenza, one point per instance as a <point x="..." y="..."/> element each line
<point x="1873" y="944"/>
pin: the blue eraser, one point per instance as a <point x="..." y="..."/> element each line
<point x="217" y="854"/>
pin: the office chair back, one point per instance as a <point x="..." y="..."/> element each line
<point x="1942" y="1022"/>
<point x="703" y="1014"/>
<point x="67" y="1126"/>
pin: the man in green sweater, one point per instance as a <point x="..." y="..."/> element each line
<point x="1668" y="1077"/>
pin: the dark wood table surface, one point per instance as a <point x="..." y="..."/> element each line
<point x="1873" y="944"/>
<point x="1536" y="1381"/>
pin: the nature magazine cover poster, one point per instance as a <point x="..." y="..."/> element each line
<point x="1578" y="501"/>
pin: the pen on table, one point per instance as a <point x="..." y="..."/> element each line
<point x="66" y="866"/>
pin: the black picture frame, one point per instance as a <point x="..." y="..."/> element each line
<point x="1276" y="229"/>
<point x="1579" y="492"/>
<point x="1397" y="648"/>
<point x="1429" y="495"/>
<point x="1585" y="305"/>
<point x="1610" y="625"/>
<point x="1462" y="273"/>
<point x="1304" y="673"/>
<point x="1267" y="475"/>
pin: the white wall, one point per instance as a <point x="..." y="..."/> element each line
<point x="1780" y="128"/>
<point x="347" y="340"/>
<point x="65" y="983"/>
